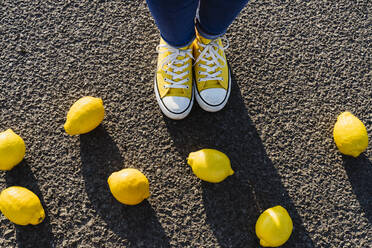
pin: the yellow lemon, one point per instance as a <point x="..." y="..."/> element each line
<point x="210" y="165"/>
<point x="12" y="149"/>
<point x="129" y="186"/>
<point x="21" y="206"/>
<point x="274" y="227"/>
<point x="84" y="115"/>
<point x="350" y="134"/>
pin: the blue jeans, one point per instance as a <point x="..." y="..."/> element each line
<point x="177" y="19"/>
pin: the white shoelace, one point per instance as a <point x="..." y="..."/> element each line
<point x="171" y="60"/>
<point x="211" y="51"/>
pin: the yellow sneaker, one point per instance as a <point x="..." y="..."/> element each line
<point x="173" y="80"/>
<point x="211" y="73"/>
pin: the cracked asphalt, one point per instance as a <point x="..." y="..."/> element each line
<point x="296" y="65"/>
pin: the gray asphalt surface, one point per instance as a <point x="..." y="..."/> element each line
<point x="296" y="65"/>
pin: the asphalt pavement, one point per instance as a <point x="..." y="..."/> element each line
<point x="296" y="65"/>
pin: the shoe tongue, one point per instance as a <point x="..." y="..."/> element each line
<point x="182" y="48"/>
<point x="185" y="48"/>
<point x="205" y="41"/>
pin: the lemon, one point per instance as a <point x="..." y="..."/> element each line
<point x="350" y="134"/>
<point x="210" y="165"/>
<point x="84" y="115"/>
<point x="21" y="206"/>
<point x="274" y="227"/>
<point x="129" y="186"/>
<point x="12" y="149"/>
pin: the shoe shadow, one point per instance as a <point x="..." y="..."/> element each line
<point x="137" y="224"/>
<point x="359" y="172"/>
<point x="233" y="206"/>
<point x="30" y="236"/>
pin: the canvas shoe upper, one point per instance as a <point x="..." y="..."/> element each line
<point x="211" y="74"/>
<point x="174" y="81"/>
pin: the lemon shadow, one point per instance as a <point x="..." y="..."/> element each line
<point x="359" y="172"/>
<point x="138" y="225"/>
<point x="30" y="236"/>
<point x="233" y="206"/>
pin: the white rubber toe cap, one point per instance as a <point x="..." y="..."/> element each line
<point x="213" y="96"/>
<point x="176" y="104"/>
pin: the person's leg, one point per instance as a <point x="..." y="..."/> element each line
<point x="175" y="20"/>
<point x="215" y="16"/>
<point x="211" y="71"/>
<point x="173" y="83"/>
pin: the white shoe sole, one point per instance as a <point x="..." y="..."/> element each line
<point x="166" y="111"/>
<point x="213" y="108"/>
